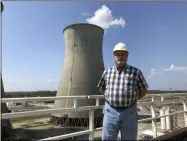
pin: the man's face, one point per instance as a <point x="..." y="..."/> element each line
<point x="120" y="58"/>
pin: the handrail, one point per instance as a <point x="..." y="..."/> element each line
<point x="67" y="135"/>
<point x="153" y="118"/>
<point x="61" y="110"/>
<point x="21" y="99"/>
<point x="160" y="102"/>
<point x="4" y="100"/>
<point x="88" y="108"/>
<point x="45" y="112"/>
<point x="150" y="95"/>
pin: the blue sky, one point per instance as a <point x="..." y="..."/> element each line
<point x="33" y="41"/>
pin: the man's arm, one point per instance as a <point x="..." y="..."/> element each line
<point x="142" y="85"/>
<point x="142" y="93"/>
<point x="102" y="83"/>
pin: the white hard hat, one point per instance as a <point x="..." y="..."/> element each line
<point x="120" y="46"/>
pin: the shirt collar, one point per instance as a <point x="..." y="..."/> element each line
<point x="124" y="68"/>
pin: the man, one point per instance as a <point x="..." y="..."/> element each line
<point x="123" y="85"/>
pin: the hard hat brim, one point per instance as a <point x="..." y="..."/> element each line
<point x="120" y="50"/>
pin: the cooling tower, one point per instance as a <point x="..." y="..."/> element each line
<point x="82" y="68"/>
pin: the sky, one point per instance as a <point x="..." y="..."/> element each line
<point x="33" y="41"/>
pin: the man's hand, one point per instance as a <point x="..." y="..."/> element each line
<point x="142" y="93"/>
<point x="102" y="90"/>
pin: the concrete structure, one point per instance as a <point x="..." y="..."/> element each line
<point x="168" y="119"/>
<point x="25" y="104"/>
<point x="163" y="120"/>
<point x="82" y="68"/>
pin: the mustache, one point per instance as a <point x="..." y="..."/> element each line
<point x="120" y="61"/>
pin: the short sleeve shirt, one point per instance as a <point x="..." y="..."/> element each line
<point x="122" y="86"/>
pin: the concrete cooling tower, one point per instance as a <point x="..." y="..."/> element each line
<point x="82" y="69"/>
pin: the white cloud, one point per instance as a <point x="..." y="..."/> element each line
<point x="173" y="68"/>
<point x="103" y="17"/>
<point x="154" y="72"/>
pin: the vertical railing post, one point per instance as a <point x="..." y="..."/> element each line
<point x="185" y="114"/>
<point x="162" y="98"/>
<point x="153" y="99"/>
<point x="163" y="119"/>
<point x="168" y="119"/>
<point x="154" y="128"/>
<point x="97" y="101"/>
<point x="75" y="103"/>
<point x="91" y="124"/>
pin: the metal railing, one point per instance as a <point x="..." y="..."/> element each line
<point x="91" y="110"/>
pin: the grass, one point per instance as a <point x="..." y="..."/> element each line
<point x="29" y="118"/>
<point x="23" y="124"/>
<point x="30" y="121"/>
<point x="37" y="125"/>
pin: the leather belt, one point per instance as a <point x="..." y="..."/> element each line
<point x="120" y="108"/>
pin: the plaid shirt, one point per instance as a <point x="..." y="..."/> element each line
<point x="122" y="86"/>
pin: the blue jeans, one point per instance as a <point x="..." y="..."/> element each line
<point x="123" y="120"/>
